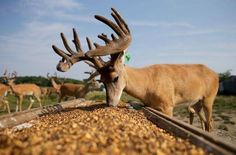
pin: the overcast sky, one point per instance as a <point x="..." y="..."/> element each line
<point x="163" y="31"/>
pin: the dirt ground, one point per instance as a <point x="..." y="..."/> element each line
<point x="224" y="122"/>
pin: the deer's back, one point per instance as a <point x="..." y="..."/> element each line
<point x="26" y="89"/>
<point x="187" y="82"/>
<point x="70" y="89"/>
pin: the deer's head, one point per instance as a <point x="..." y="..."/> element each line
<point x="9" y="78"/>
<point x="112" y="72"/>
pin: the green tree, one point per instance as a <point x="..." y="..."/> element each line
<point x="225" y="75"/>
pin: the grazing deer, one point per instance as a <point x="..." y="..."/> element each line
<point x="21" y="90"/>
<point x="75" y="90"/>
<point x="160" y="86"/>
<point x="3" y="93"/>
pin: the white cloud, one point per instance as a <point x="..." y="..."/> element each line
<point x="29" y="50"/>
<point x="51" y="5"/>
<point x="35" y="35"/>
<point x="68" y="10"/>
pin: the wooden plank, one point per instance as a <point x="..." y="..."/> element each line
<point x="17" y="118"/>
<point x="186" y="131"/>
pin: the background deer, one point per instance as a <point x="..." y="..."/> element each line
<point x="3" y="93"/>
<point x="22" y="90"/>
<point x="47" y="91"/>
<point x="66" y="90"/>
<point x="160" y="86"/>
<point x="55" y="86"/>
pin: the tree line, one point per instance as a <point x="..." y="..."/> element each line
<point x="42" y="81"/>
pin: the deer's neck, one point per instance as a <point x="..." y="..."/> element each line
<point x="84" y="90"/>
<point x="136" y="82"/>
<point x="54" y="84"/>
<point x="12" y="87"/>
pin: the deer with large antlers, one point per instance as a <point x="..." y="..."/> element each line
<point x="160" y="86"/>
<point x="22" y="90"/>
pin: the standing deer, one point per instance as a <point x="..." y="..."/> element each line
<point x="160" y="86"/>
<point x="75" y="90"/>
<point x="3" y="93"/>
<point x="55" y="85"/>
<point x="22" y="90"/>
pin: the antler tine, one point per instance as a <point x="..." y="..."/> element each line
<point x="77" y="41"/>
<point x="116" y="45"/>
<point x="112" y="25"/>
<point x="92" y="75"/>
<point x="102" y="61"/>
<point x="99" y="59"/>
<point x="90" y="45"/>
<point x="90" y="64"/>
<point x="14" y="74"/>
<point x="104" y="38"/>
<point x="5" y="76"/>
<point x="98" y="63"/>
<point x="66" y="44"/>
<point x="120" y="21"/>
<point x="5" y="73"/>
<point x="88" y="73"/>
<point x="61" y="53"/>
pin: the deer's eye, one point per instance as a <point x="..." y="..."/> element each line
<point x="115" y="79"/>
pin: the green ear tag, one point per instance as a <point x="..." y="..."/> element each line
<point x="127" y="57"/>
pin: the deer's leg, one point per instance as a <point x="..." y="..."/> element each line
<point x="60" y="98"/>
<point x="191" y="114"/>
<point x="17" y="103"/>
<point x="20" y="102"/>
<point x="191" y="111"/>
<point x="31" y="103"/>
<point x="39" y="100"/>
<point x="2" y="104"/>
<point x="164" y="104"/>
<point x="207" y="107"/>
<point x="168" y="110"/>
<point x="197" y="108"/>
<point x="7" y="106"/>
<point x="202" y="119"/>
